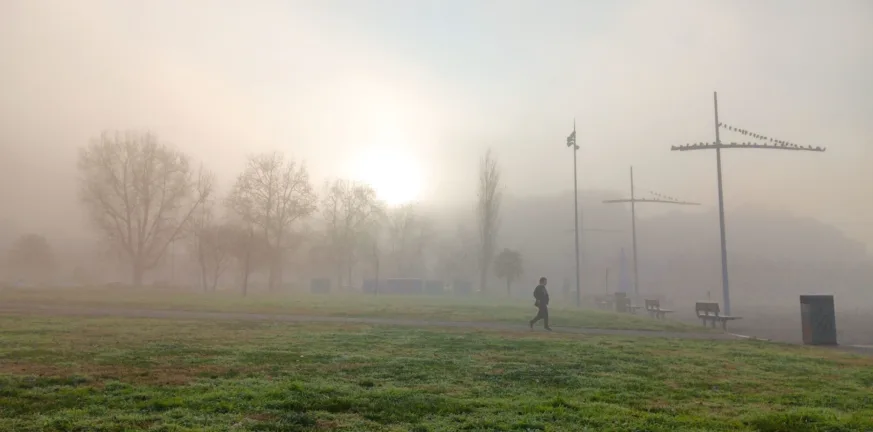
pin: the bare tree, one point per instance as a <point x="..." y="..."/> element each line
<point x="271" y="194"/>
<point x="140" y="194"/>
<point x="212" y="244"/>
<point x="508" y="266"/>
<point x="489" y="196"/>
<point x="248" y="247"/>
<point x="198" y="225"/>
<point x="456" y="256"/>
<point x="409" y="235"/>
<point x="217" y="242"/>
<point x="31" y="258"/>
<point x="249" y="250"/>
<point x="349" y="209"/>
<point x="370" y="247"/>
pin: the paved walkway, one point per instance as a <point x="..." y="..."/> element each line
<point x="31" y="309"/>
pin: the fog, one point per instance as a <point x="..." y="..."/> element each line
<point x="406" y="96"/>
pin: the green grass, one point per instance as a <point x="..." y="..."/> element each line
<point x="352" y="305"/>
<point x="100" y="374"/>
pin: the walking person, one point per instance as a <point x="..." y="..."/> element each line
<point x="542" y="303"/>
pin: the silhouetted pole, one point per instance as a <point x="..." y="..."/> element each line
<point x="725" y="284"/>
<point x="571" y="141"/>
<point x="775" y="144"/>
<point x="634" y="233"/>
<point x="633" y="201"/>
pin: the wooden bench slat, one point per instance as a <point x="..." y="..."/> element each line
<point x="653" y="307"/>
<point x="709" y="311"/>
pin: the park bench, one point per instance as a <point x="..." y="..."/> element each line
<point x="653" y="307"/>
<point x="623" y="304"/>
<point x="603" y="301"/>
<point x="709" y="311"/>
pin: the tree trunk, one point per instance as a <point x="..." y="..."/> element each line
<point x="483" y="277"/>
<point x="137" y="273"/>
<point x="349" y="269"/>
<point x="339" y="274"/>
<point x="246" y="270"/>
<point x="215" y="276"/>
<point x="376" y="257"/>
<point x="204" y="282"/>
<point x="275" y="269"/>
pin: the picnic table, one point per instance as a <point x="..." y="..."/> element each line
<point x="653" y="307"/>
<point x="709" y="312"/>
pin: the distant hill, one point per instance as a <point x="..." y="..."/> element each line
<point x="773" y="256"/>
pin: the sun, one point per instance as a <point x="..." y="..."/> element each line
<point x="393" y="174"/>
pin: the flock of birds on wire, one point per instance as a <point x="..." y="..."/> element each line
<point x="663" y="197"/>
<point x="773" y="143"/>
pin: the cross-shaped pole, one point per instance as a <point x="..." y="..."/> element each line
<point x="633" y="200"/>
<point x="769" y="143"/>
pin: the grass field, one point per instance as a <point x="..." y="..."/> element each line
<point x="114" y="374"/>
<point x="354" y="305"/>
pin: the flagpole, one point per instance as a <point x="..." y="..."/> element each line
<point x="576" y="216"/>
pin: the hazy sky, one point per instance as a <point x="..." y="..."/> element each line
<point x="408" y="94"/>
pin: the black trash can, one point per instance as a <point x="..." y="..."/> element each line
<point x="818" y="319"/>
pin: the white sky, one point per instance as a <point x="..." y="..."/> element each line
<point x="358" y="88"/>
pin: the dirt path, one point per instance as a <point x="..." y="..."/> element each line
<point x="21" y="309"/>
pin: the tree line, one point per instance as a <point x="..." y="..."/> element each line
<point x="142" y="196"/>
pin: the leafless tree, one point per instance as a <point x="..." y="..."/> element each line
<point x="371" y="246"/>
<point x="249" y="247"/>
<point x="249" y="250"/>
<point x="409" y="235"/>
<point x="508" y="266"/>
<point x="31" y="258"/>
<point x="456" y="256"/>
<point x="350" y="209"/>
<point x="198" y="225"/>
<point x="140" y="194"/>
<point x="271" y="194"/>
<point x="212" y="244"/>
<point x="489" y="196"/>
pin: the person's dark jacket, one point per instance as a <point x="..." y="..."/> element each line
<point x="541" y="295"/>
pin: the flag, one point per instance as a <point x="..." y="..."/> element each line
<point x="571" y="140"/>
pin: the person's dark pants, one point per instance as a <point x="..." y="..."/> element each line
<point x="542" y="314"/>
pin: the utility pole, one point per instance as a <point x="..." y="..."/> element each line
<point x="571" y="142"/>
<point x="764" y="142"/>
<point x="657" y="198"/>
